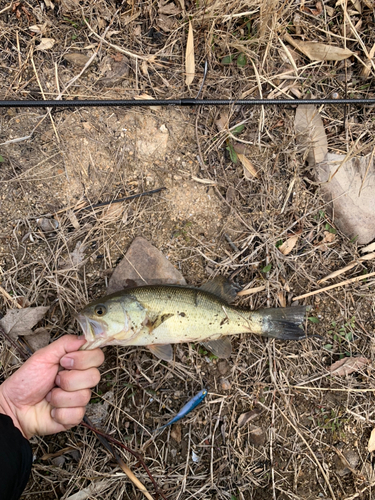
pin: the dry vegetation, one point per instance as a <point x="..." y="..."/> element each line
<point x="307" y="437"/>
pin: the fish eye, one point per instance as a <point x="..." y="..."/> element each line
<point x="100" y="310"/>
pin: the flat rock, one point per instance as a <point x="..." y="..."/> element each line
<point x="144" y="264"/>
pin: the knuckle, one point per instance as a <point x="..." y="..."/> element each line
<point x="86" y="396"/>
<point x="95" y="377"/>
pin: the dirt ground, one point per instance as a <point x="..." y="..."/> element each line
<point x="307" y="435"/>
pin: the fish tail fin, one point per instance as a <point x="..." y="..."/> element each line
<point x="283" y="322"/>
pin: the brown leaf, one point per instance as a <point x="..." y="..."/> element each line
<point x="345" y="366"/>
<point x="319" y="51"/>
<point x="289" y="244"/>
<point x="281" y="298"/>
<point x="45" y="44"/>
<point x="143" y="264"/>
<point x="176" y="432"/>
<point x="77" y="58"/>
<point x="166" y="23"/>
<point x="351" y="188"/>
<point x="169" y="9"/>
<point x="38" y="339"/>
<point x="75" y="258"/>
<point x="328" y="237"/>
<point x="256" y="435"/>
<point x="309" y="128"/>
<point x="248" y="416"/>
<point x="189" y="58"/>
<point x="371" y="441"/>
<point x="222" y="122"/>
<point x="249" y="169"/>
<point x="21" y="321"/>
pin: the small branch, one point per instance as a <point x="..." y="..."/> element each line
<point x="342" y="283"/>
<point x="101" y="435"/>
<point x="24" y="355"/>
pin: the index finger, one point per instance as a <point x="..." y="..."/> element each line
<point x="82" y="360"/>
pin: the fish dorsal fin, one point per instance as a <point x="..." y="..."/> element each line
<point x="221" y="287"/>
<point x="222" y="348"/>
<point x="164" y="352"/>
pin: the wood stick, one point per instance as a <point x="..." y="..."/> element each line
<point x="342" y="283"/>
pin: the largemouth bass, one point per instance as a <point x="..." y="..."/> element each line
<point x="157" y="316"/>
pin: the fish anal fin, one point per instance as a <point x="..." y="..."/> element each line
<point x="221" y="287"/>
<point x="162" y="351"/>
<point x="222" y="348"/>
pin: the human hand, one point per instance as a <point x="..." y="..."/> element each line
<point x="43" y="400"/>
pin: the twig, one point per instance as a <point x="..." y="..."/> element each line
<point x="342" y="283"/>
<point x="101" y="435"/>
<point x="132" y="197"/>
<point x="24" y="355"/>
<point x="347" y="268"/>
<point x="150" y="58"/>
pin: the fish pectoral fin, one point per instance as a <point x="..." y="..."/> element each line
<point x="221" y="287"/>
<point x="222" y="348"/>
<point x="154" y="322"/>
<point x="164" y="352"/>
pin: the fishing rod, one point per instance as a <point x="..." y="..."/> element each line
<point x="80" y="103"/>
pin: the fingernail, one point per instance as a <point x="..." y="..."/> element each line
<point x="67" y="362"/>
<point x="57" y="380"/>
<point x="53" y="412"/>
<point x="49" y="397"/>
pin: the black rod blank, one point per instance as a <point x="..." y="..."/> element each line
<point x="176" y="102"/>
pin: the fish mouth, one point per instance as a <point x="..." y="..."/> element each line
<point x="93" y="330"/>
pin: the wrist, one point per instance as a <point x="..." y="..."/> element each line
<point x="6" y="409"/>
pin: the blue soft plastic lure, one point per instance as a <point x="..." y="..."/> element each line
<point x="190" y="405"/>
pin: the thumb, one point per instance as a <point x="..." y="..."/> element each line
<point x="52" y="353"/>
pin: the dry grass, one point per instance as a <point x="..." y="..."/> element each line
<point x="56" y="163"/>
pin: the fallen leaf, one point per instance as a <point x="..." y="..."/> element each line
<point x="21" y="321"/>
<point x="281" y="298"/>
<point x="77" y="58"/>
<point x="289" y="244"/>
<point x="166" y="23"/>
<point x="75" y="258"/>
<point x="168" y="8"/>
<point x="248" y="416"/>
<point x="114" y="71"/>
<point x="69" y="5"/>
<point x="350" y="194"/>
<point x="176" y="432"/>
<point x="256" y="435"/>
<point x="328" y="237"/>
<point x="146" y="97"/>
<point x="143" y="264"/>
<point x="371" y="441"/>
<point x="249" y="169"/>
<point x="47" y="225"/>
<point x="309" y="128"/>
<point x="38" y="339"/>
<point x="45" y="44"/>
<point x="222" y="122"/>
<point x="345" y="366"/>
<point x="316" y="51"/>
<point x="369" y="248"/>
<point x="189" y="58"/>
<point x="40" y="29"/>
